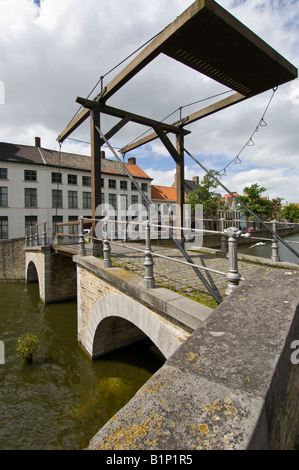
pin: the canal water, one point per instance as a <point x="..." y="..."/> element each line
<point x="63" y="398"/>
<point x="264" y="251"/>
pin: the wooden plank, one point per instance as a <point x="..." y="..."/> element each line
<point x="210" y="40"/>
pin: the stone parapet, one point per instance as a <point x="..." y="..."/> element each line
<point x="231" y="385"/>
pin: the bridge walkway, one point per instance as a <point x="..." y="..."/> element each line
<point x="177" y="276"/>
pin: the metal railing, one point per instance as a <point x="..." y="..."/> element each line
<point x="32" y="235"/>
<point x="228" y="238"/>
<point x="232" y="234"/>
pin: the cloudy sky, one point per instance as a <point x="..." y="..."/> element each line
<point x="52" y="51"/>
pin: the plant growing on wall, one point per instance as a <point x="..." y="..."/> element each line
<point x="27" y="345"/>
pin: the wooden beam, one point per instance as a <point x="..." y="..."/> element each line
<point x="115" y="129"/>
<point x="120" y="113"/>
<point x="180" y="181"/>
<point x="168" y="144"/>
<point x="213" y="108"/>
<point x="149" y="53"/>
<point x="207" y="111"/>
<point x="72" y="126"/>
<point x="96" y="170"/>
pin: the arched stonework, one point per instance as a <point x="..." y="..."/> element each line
<point x="35" y="275"/>
<point x="103" y="319"/>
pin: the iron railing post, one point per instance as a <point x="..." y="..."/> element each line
<point x="149" y="280"/>
<point x="233" y="274"/>
<point x="45" y="234"/>
<point x="106" y="248"/>
<point x="274" y="246"/>
<point x="36" y="235"/>
<point x="30" y="236"/>
<point x="82" y="250"/>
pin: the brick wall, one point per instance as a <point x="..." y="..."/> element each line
<point x="12" y="259"/>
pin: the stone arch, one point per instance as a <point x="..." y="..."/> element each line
<point x="32" y="273"/>
<point x="117" y="320"/>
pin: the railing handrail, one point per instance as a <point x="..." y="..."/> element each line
<point x="162" y="256"/>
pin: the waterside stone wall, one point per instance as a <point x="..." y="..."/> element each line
<point x="231" y="385"/>
<point x="12" y="259"/>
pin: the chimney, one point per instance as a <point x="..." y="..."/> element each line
<point x="37" y="142"/>
<point x="103" y="154"/>
<point x="132" y="161"/>
<point x="196" y="179"/>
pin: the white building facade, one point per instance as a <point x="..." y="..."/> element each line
<point x="39" y="185"/>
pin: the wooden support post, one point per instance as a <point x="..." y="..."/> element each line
<point x="96" y="175"/>
<point x="180" y="182"/>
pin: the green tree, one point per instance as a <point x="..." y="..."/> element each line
<point x="255" y="202"/>
<point x="276" y="208"/>
<point x="206" y="196"/>
<point x="290" y="212"/>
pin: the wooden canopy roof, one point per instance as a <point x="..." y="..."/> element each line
<point x="216" y="44"/>
<point x="210" y="40"/>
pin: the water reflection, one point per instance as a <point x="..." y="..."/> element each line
<point x="63" y="398"/>
<point x="265" y="250"/>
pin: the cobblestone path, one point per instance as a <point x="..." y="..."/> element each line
<point x="180" y="277"/>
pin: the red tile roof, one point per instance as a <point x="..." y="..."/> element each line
<point x="163" y="193"/>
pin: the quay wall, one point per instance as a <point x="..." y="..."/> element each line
<point x="232" y="385"/>
<point x="12" y="259"/>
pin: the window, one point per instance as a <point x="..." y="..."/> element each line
<point x="3" y="227"/>
<point x="73" y="229"/>
<point x="30" y="197"/>
<point x="56" y="219"/>
<point x="144" y="186"/>
<point x="71" y="179"/>
<point x="123" y="185"/>
<point x="56" y="177"/>
<point x="112" y="184"/>
<point x="3" y="196"/>
<point x="57" y="198"/>
<point x="103" y="198"/>
<point x="102" y="183"/>
<point x="30" y="221"/>
<point x="3" y="173"/>
<point x="72" y="200"/>
<point x="86" y="200"/>
<point x="112" y="200"/>
<point x="30" y="175"/>
<point x="134" y="199"/>
<point x="86" y="180"/>
<point x="133" y="187"/>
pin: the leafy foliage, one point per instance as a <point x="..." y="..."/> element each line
<point x="205" y="195"/>
<point x="290" y="212"/>
<point x="254" y="201"/>
<point x="27" y="345"/>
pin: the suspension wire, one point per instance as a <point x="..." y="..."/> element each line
<point x="180" y="108"/>
<point x="250" y="141"/>
<point x="155" y="212"/>
<point x="85" y="142"/>
<point x="112" y="69"/>
<point x="242" y="204"/>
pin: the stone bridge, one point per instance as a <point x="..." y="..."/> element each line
<point x="231" y="375"/>
<point x="114" y="308"/>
